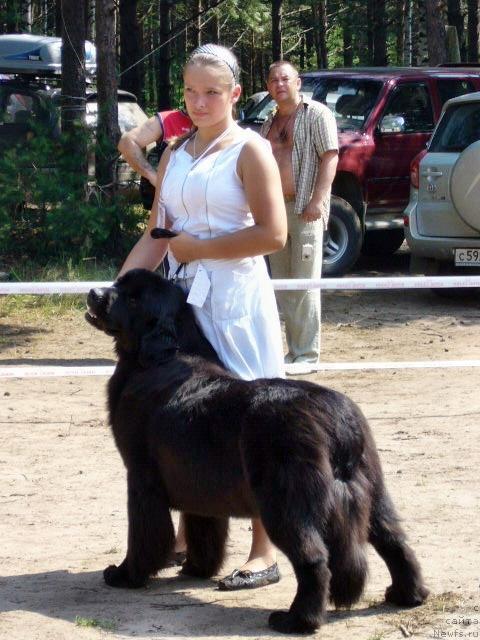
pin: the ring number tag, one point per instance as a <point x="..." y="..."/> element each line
<point x="200" y="288"/>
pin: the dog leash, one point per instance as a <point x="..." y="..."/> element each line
<point x="158" y="233"/>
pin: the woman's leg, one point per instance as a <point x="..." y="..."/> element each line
<point x="180" y="539"/>
<point x="262" y="552"/>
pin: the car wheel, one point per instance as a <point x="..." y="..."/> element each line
<point x="382" y="243"/>
<point x="342" y="240"/>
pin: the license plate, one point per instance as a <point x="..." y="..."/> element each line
<point x="467" y="257"/>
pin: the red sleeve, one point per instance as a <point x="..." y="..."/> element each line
<point x="174" y="123"/>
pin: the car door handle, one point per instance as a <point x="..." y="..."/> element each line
<point x="432" y="174"/>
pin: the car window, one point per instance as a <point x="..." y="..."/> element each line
<point x="261" y="111"/>
<point x="130" y="115"/>
<point x="410" y="107"/>
<point x="458" y="128"/>
<point x="453" y="87"/>
<point x="20" y="108"/>
<point x="350" y="100"/>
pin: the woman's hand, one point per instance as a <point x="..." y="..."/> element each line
<point x="185" y="248"/>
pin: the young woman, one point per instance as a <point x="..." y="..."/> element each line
<point x="220" y="190"/>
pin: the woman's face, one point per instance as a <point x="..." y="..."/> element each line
<point x="209" y="96"/>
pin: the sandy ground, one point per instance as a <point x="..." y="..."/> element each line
<point x="63" y="506"/>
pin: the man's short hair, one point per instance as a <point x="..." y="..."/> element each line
<point x="281" y="63"/>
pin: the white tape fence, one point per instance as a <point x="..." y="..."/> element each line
<point x="369" y="283"/>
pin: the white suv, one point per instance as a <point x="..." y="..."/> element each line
<point x="442" y="221"/>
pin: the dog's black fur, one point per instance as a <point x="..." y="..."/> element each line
<point x="193" y="437"/>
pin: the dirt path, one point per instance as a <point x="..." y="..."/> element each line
<point x="62" y="499"/>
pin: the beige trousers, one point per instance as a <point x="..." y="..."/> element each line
<point x="300" y="258"/>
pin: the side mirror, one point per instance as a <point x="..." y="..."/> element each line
<point x="392" y="124"/>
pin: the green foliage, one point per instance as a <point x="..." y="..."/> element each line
<point x="50" y="207"/>
<point x="61" y="269"/>
<point x="107" y="625"/>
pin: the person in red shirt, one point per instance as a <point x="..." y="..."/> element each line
<point x="159" y="129"/>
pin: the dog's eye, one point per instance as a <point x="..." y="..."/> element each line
<point x="132" y="301"/>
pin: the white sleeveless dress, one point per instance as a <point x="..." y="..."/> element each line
<point x="206" y="199"/>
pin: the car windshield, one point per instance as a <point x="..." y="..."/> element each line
<point x="458" y="128"/>
<point x="130" y="115"/>
<point x="350" y="99"/>
<point x="260" y="112"/>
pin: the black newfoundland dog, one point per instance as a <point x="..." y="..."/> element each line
<point x="194" y="437"/>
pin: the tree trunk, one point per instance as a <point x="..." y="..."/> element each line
<point x="197" y="31"/>
<point x="58" y="18"/>
<point x="73" y="70"/>
<point x="322" y="32"/>
<point x="108" y="132"/>
<point x="164" y="85"/>
<point x="277" y="49"/>
<point x="472" y="52"/>
<point x="131" y="78"/>
<point x="347" y="42"/>
<point x="26" y="16"/>
<point x="407" y="53"/>
<point x="379" y="34"/>
<point x="370" y="29"/>
<point x="455" y="19"/>
<point x="319" y="15"/>
<point x="437" y="50"/>
<point x="419" y="38"/>
<point x="401" y="20"/>
<point x="90" y="19"/>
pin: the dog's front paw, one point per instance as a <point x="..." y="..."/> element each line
<point x="118" y="577"/>
<point x="194" y="571"/>
<point x="287" y="622"/>
<point x="412" y="597"/>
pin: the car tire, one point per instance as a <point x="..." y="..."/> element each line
<point x="382" y="242"/>
<point x="343" y="239"/>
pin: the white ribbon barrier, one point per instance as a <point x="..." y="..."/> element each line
<point x="292" y="369"/>
<point x="404" y="282"/>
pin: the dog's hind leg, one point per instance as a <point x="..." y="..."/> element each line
<point x="206" y="538"/>
<point x="294" y="513"/>
<point x="389" y="539"/>
<point x="347" y="539"/>
<point x="150" y="532"/>
<point x="305" y="549"/>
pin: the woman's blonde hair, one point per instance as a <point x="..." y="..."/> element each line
<point x="215" y="55"/>
<point x="210" y="55"/>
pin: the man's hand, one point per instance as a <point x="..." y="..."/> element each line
<point x="312" y="212"/>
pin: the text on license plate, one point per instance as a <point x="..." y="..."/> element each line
<point x="467" y="257"/>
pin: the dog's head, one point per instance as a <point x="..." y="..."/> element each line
<point x="139" y="311"/>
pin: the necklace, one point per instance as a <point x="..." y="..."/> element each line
<point x="209" y="146"/>
<point x="282" y="134"/>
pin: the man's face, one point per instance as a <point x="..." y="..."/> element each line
<point x="283" y="84"/>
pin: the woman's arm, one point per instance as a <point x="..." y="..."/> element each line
<point x="147" y="252"/>
<point x="259" y="173"/>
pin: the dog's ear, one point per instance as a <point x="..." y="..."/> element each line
<point x="160" y="343"/>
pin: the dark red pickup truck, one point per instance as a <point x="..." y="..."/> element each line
<point x="385" y="116"/>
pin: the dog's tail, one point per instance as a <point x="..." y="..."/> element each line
<point x="347" y="540"/>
